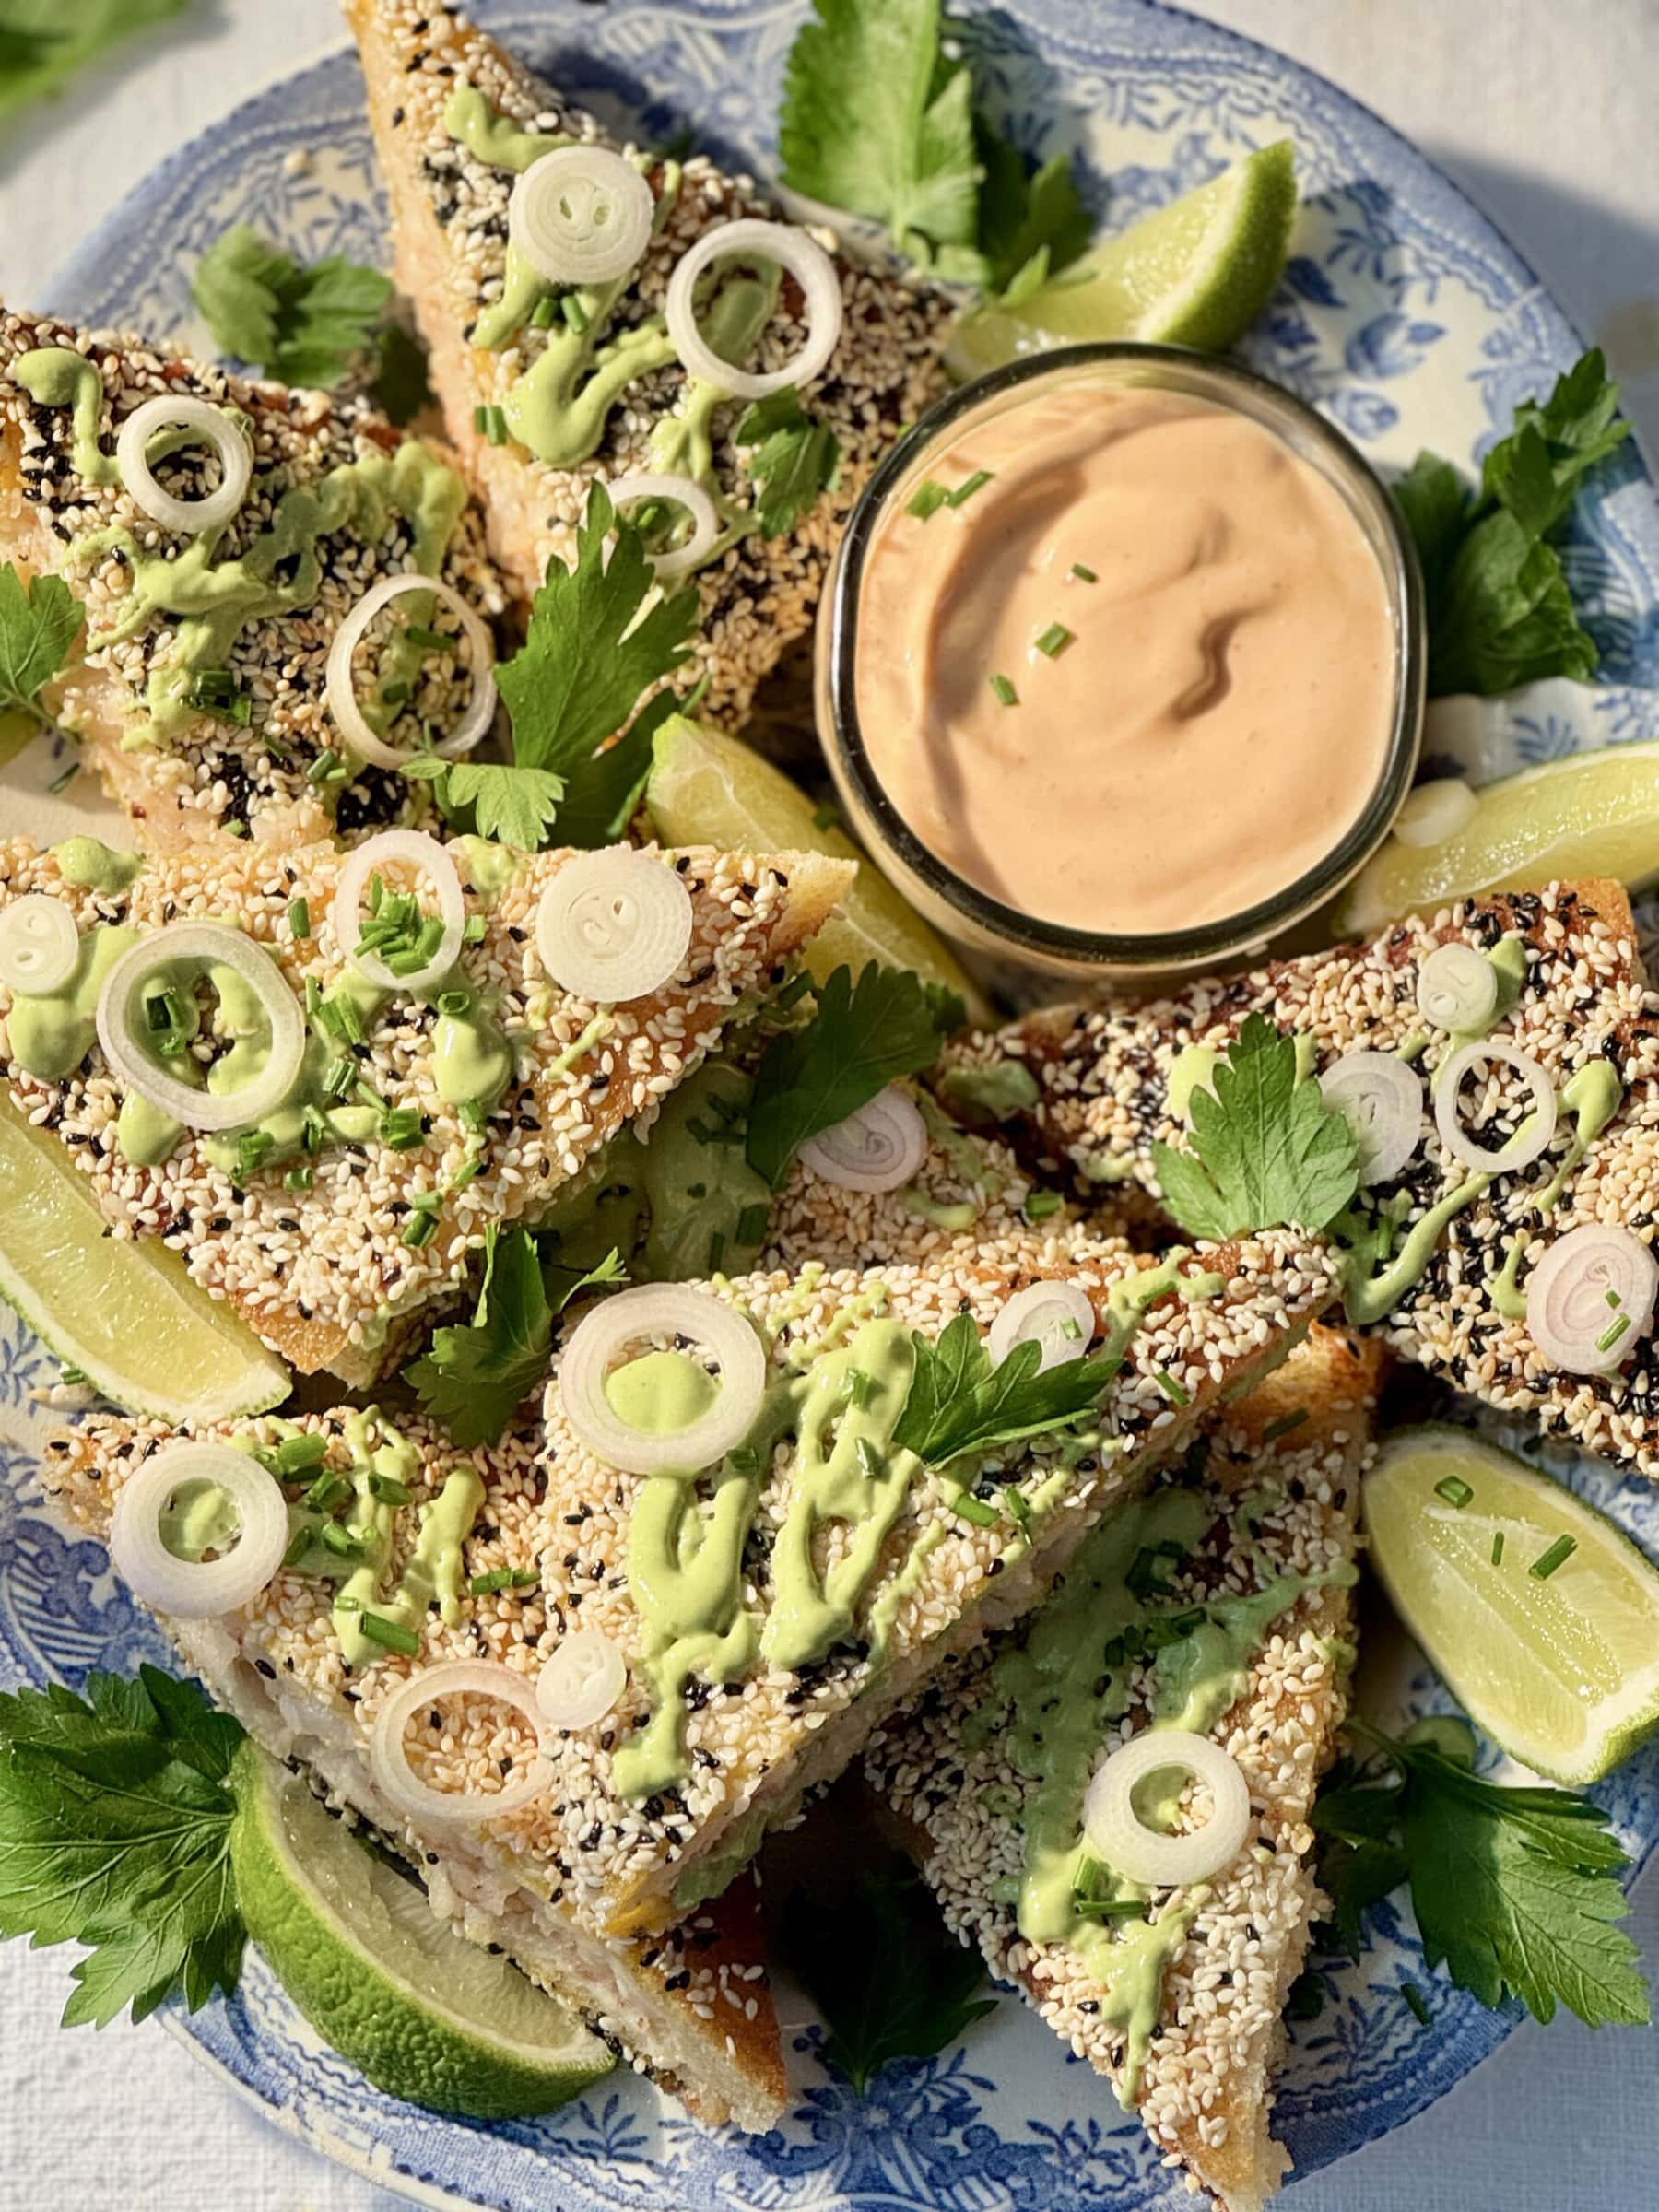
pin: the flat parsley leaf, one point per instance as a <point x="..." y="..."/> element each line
<point x="1501" y="611"/>
<point x="960" y="1405"/>
<point x="1032" y="223"/>
<point x="1514" y="1890"/>
<point x="42" y="42"/>
<point x="304" y="325"/>
<point x="589" y="656"/>
<point x="474" y="1378"/>
<point x="861" y="1040"/>
<point x="115" y="1832"/>
<point x="402" y="386"/>
<point x="39" y="624"/>
<point x="515" y="805"/>
<point x="1270" y="1152"/>
<point x="906" y="1989"/>
<point x="794" y="460"/>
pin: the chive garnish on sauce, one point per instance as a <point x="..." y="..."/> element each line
<point x="965" y="489"/>
<point x="926" y="499"/>
<point x="1054" y="641"/>
<point x="1082" y="574"/>
<point x="1004" y="691"/>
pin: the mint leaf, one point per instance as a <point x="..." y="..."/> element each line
<point x="961" y="1406"/>
<point x="796" y="459"/>
<point x="42" y="42"/>
<point x="303" y="325"/>
<point x="39" y="624"/>
<point x="860" y="1040"/>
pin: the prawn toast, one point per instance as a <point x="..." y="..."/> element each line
<point x="691" y="2006"/>
<point x="1459" y="1253"/>
<point x="199" y="697"/>
<point x="421" y="1109"/>
<point x="549" y="386"/>
<point x="1218" y="1603"/>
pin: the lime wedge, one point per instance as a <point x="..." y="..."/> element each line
<point x="1562" y="1669"/>
<point x="1196" y="273"/>
<point x="426" y="2014"/>
<point x="706" y="788"/>
<point x="1591" y="814"/>
<point x="127" y="1315"/>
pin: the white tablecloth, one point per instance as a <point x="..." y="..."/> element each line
<point x="1545" y="113"/>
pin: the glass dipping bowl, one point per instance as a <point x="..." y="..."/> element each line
<point x="960" y="909"/>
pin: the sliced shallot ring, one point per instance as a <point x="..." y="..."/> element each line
<point x="1381" y="1100"/>
<point x="878" y="1147"/>
<point x="1435" y="811"/>
<point x="650" y="484"/>
<point x="342" y="695"/>
<point x="1058" y="1316"/>
<point x="792" y="249"/>
<point x="1586" y="1283"/>
<point x="1457" y="988"/>
<point x="38" y="944"/>
<point x="614" y="925"/>
<point x="217" y="429"/>
<point x="434" y="863"/>
<point x="1140" y="1854"/>
<point x="1514" y="1154"/>
<point x="389" y="1760"/>
<point x="582" y="215"/>
<point x="581" y="1683"/>
<point x="213" y="944"/>
<point x="662" y="1310"/>
<point x="198" y="1588"/>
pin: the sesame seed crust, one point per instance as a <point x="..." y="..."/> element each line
<point x="1284" y="1507"/>
<point x="323" y="1275"/>
<point x="450" y="215"/>
<point x="179" y="792"/>
<point x="1104" y="1074"/>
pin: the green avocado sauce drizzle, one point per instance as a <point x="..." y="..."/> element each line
<point x="431" y="1575"/>
<point x="1050" y="1703"/>
<point x="279" y="573"/>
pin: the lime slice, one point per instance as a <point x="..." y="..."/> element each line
<point x="1196" y="273"/>
<point x="426" y="2014"/>
<point x="1560" y="1669"/>
<point x="1591" y="813"/>
<point x="127" y="1315"/>
<point x="706" y="788"/>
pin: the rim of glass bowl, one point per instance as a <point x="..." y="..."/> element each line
<point x="1029" y="937"/>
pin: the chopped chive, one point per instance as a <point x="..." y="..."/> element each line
<point x="454" y="1002"/>
<point x="1417" y="2004"/>
<point x="1612" y="1333"/>
<point x="400" y="1128"/>
<point x="1170" y="1388"/>
<point x="973" y="1509"/>
<point x="496" y="429"/>
<point x="1613" y="1297"/>
<point x="394" y="695"/>
<point x="162" y="1011"/>
<point x="300" y="918"/>
<point x="391" y="1634"/>
<point x="475" y="928"/>
<point x="1016" y="1507"/>
<point x="524" y="1578"/>
<point x="419" y="1230"/>
<point x="466" y="1172"/>
<point x="1559" y="1552"/>
<point x="314" y="1129"/>
<point x="1054" y="640"/>
<point x="337" y="1540"/>
<point x="63" y="782"/>
<point x="254" y="1148"/>
<point x="430" y="641"/>
<point x="389" y="1491"/>
<point x="1274" y="1429"/>
<point x="1110" y="1908"/>
<point x="546" y="313"/>
<point x="486" y="1585"/>
<point x="716" y="1250"/>
<point x="574" y="313"/>
<point x="752" y="1224"/>
<point x="327" y="1491"/>
<point x="965" y="489"/>
<point x="1082" y="574"/>
<point x="1071" y="1330"/>
<point x="300" y="1543"/>
<point x="297" y="1452"/>
<point x="745" y="1459"/>
<point x="1004" y="691"/>
<point x="341" y="1077"/>
<point x="323" y="766"/>
<point x="926" y="499"/>
<point x="341" y="1016"/>
<point x="856" y="1387"/>
<point x="1497" y="1547"/>
<point x="1454" y="1489"/>
<point x="470" y="1114"/>
<point x="297" y="1179"/>
<point x="825" y="817"/>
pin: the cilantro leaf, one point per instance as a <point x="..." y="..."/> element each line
<point x="1514" y="1889"/>
<point x="1032" y="223"/>
<point x="876" y="121"/>
<point x="42" y="42"/>
<point x="796" y="459"/>
<point x="1501" y="610"/>
<point x="39" y="624"/>
<point x="1270" y="1152"/>
<point x="515" y="805"/>
<point x="589" y="656"/>
<point x="861" y="1040"/>
<point x="402" y="386"/>
<point x="474" y="1378"/>
<point x="304" y="325"/>
<point x="115" y="1832"/>
<point x="960" y="1405"/>
<point x="906" y="1989"/>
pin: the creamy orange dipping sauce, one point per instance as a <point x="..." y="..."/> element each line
<point x="1218" y="716"/>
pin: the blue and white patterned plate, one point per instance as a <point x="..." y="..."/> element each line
<point x="1412" y="323"/>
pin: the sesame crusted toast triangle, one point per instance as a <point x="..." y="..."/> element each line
<point x="504" y="1092"/>
<point x="808" y="1589"/>
<point x="339" y="501"/>
<point x="1584" y="1010"/>
<point x="451" y="256"/>
<point x="1265" y="1508"/>
<point x="692" y="2007"/>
